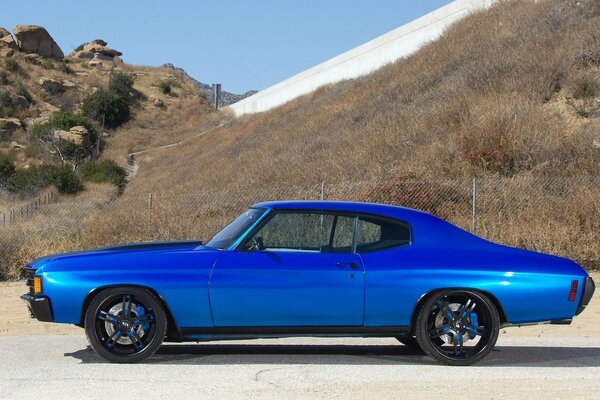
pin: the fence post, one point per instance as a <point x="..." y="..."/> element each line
<point x="150" y="200"/>
<point x="322" y="190"/>
<point x="474" y="210"/>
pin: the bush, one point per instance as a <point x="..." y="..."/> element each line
<point x="121" y="84"/>
<point x="6" y="106"/>
<point x="42" y="132"/>
<point x="12" y="65"/>
<point x="65" y="121"/>
<point x="106" y="107"/>
<point x="4" y="78"/>
<point x="165" y="87"/>
<point x="27" y="181"/>
<point x="53" y="88"/>
<point x="80" y="47"/>
<point x="22" y="91"/>
<point x="106" y="171"/>
<point x="65" y="68"/>
<point x="7" y="168"/>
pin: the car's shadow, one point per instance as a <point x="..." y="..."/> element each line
<point x="231" y="354"/>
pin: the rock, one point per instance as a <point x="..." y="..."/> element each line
<point x="7" y="127"/>
<point x="78" y="135"/>
<point x="79" y="130"/>
<point x="7" y="53"/>
<point x="19" y="102"/>
<point x="159" y="103"/>
<point x="68" y="84"/>
<point x="99" y="41"/>
<point x="31" y="122"/>
<point x="6" y="40"/>
<point x="33" y="59"/>
<point x="48" y="108"/>
<point x="17" y="146"/>
<point x="95" y="62"/>
<point x="102" y="49"/>
<point x="52" y="85"/>
<point x="36" y="39"/>
<point x="105" y="134"/>
<point x="82" y="55"/>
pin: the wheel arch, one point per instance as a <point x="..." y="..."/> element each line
<point x="173" y="331"/>
<point x="427" y="295"/>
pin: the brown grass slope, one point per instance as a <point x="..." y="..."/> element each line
<point x="506" y="92"/>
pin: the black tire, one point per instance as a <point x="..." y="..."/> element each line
<point x="125" y="336"/>
<point x="467" y="321"/>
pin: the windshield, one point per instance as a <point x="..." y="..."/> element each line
<point x="228" y="235"/>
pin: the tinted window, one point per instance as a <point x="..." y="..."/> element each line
<point x="304" y="231"/>
<point x="380" y="234"/>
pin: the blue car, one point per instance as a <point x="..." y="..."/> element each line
<point x="309" y="268"/>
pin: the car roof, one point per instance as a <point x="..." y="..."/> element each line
<point x="347" y="206"/>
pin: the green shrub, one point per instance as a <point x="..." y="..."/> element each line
<point x="106" y="107"/>
<point x="52" y="88"/>
<point x="121" y="84"/>
<point x="22" y="91"/>
<point x="7" y="168"/>
<point x="106" y="171"/>
<point x="70" y="151"/>
<point x="65" y="121"/>
<point x="12" y="65"/>
<point x="586" y="89"/>
<point x="42" y="132"/>
<point x="80" y="47"/>
<point x="26" y="181"/>
<point x="6" y="105"/>
<point x="165" y="87"/>
<point x="65" y="68"/>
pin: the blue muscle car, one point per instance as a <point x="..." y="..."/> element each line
<point x="309" y="268"/>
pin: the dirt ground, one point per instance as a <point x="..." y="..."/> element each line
<point x="15" y="320"/>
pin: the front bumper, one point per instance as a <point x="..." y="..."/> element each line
<point x="39" y="307"/>
<point x="588" y="292"/>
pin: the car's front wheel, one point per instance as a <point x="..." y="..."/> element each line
<point x="457" y="327"/>
<point x="125" y="325"/>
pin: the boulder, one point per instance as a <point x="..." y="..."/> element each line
<point x="81" y="55"/>
<point x="47" y="108"/>
<point x="158" y="103"/>
<point x="102" y="49"/>
<point x="99" y="41"/>
<point x="31" y="122"/>
<point x="52" y="85"/>
<point x="6" y="53"/>
<point x="95" y="62"/>
<point x="68" y="84"/>
<point x="78" y="135"/>
<point x="34" y="59"/>
<point x="6" y="40"/>
<point x="17" y="146"/>
<point x="36" y="40"/>
<point x="7" y="127"/>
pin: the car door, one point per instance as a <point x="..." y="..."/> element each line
<point x="297" y="269"/>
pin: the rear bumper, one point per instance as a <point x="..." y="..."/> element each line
<point x="39" y="307"/>
<point x="588" y="291"/>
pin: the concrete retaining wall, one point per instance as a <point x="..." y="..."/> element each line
<point x="364" y="59"/>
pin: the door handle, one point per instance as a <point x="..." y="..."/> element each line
<point x="349" y="264"/>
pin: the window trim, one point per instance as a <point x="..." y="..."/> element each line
<point x="271" y="212"/>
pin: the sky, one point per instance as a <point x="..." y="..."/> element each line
<point x="241" y="44"/>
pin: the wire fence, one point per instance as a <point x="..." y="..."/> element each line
<point x="555" y="215"/>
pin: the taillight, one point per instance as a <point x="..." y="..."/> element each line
<point x="573" y="291"/>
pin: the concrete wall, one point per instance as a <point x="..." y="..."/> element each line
<point x="364" y="59"/>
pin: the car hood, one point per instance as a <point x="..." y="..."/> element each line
<point x="125" y="249"/>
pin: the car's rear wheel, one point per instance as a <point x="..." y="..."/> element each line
<point x="125" y="325"/>
<point x="457" y="327"/>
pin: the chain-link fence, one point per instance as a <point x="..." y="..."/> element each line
<point x="554" y="215"/>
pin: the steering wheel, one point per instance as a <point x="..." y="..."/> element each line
<point x="257" y="244"/>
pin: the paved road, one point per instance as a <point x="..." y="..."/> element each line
<point x="62" y="367"/>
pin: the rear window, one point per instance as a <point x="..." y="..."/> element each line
<point x="376" y="234"/>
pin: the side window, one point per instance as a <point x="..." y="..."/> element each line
<point x="304" y="231"/>
<point x="379" y="234"/>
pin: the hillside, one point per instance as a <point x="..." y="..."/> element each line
<point x="510" y="96"/>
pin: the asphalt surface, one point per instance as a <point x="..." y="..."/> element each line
<point x="63" y="367"/>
